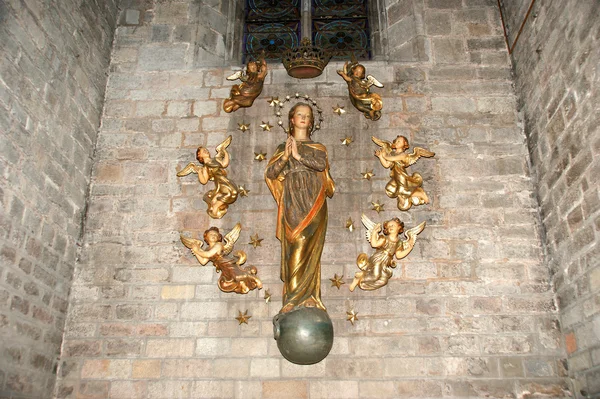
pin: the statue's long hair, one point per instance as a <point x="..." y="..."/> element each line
<point x="291" y="114"/>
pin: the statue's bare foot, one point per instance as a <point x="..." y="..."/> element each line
<point x="310" y="303"/>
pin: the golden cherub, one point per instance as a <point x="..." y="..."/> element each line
<point x="376" y="270"/>
<point x="225" y="192"/>
<point x="406" y="188"/>
<point x="234" y="278"/>
<point x="244" y="94"/>
<point x="359" y="88"/>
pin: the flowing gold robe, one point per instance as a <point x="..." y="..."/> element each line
<point x="300" y="188"/>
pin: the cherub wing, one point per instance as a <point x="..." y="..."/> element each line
<point x="370" y="226"/>
<point x="231" y="238"/>
<point x="221" y="155"/>
<point x="385" y="145"/>
<point x="191" y="243"/>
<point x="222" y="147"/>
<point x="373" y="82"/>
<point x="411" y="238"/>
<point x="237" y="75"/>
<point x="190" y="168"/>
<point x="417" y="153"/>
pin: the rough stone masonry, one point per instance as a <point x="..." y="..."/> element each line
<point x="470" y="313"/>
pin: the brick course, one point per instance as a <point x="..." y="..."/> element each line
<point x="556" y="68"/>
<point x="54" y="58"/>
<point x="469" y="313"/>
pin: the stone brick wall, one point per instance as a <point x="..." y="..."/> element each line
<point x="469" y="313"/>
<point x="556" y="64"/>
<point x="54" y="57"/>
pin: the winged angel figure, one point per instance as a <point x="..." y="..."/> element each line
<point x="225" y="192"/>
<point x="234" y="278"/>
<point x="244" y="94"/>
<point x="406" y="188"/>
<point x="359" y="87"/>
<point x="376" y="269"/>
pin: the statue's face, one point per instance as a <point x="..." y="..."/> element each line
<point x="400" y="144"/>
<point x="212" y="237"/>
<point x="202" y="153"/>
<point x="252" y="67"/>
<point x="302" y="117"/>
<point x="359" y="71"/>
<point x="393" y="227"/>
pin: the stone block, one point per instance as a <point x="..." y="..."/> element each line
<point x="449" y="50"/>
<point x="106" y="369"/>
<point x="162" y="58"/>
<point x="168" y="389"/>
<point x="444" y="4"/>
<point x="131" y="17"/>
<point x="437" y="23"/>
<point x="285" y="389"/>
<point x="453" y="104"/>
<point x="171" y="13"/>
<point x="146" y="369"/>
<point x="166" y="348"/>
<point x="177" y="292"/>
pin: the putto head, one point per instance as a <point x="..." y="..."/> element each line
<point x="212" y="231"/>
<point x="387" y="226"/>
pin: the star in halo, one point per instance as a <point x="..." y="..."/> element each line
<point x="243" y="126"/>
<point x="243" y="317"/>
<point x="266" y="126"/>
<point x="347" y="140"/>
<point x="267" y="296"/>
<point x="260" y="156"/>
<point x="338" y="110"/>
<point x="242" y="191"/>
<point x="255" y="241"/>
<point x="273" y="101"/>
<point x="337" y="281"/>
<point x="350" y="224"/>
<point x="377" y="206"/>
<point x="368" y="174"/>
<point x="352" y="316"/>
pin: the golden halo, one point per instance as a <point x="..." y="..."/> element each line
<point x="279" y="106"/>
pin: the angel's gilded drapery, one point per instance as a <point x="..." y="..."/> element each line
<point x="376" y="270"/>
<point x="300" y="189"/>
<point x="244" y="94"/>
<point x="234" y="277"/>
<point x="214" y="169"/>
<point x="225" y="192"/>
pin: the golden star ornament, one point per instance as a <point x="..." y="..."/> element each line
<point x="350" y="224"/>
<point x="255" y="241"/>
<point x="260" y="156"/>
<point x="347" y="140"/>
<point x="243" y="317"/>
<point x="243" y="126"/>
<point x="242" y="191"/>
<point x="337" y="281"/>
<point x="352" y="316"/>
<point x="273" y="101"/>
<point x="266" y="126"/>
<point x="367" y="174"/>
<point x="377" y="207"/>
<point x="267" y="296"/>
<point x="339" y="110"/>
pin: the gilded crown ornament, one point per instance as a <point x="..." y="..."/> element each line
<point x="305" y="61"/>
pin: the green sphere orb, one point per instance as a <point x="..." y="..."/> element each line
<point x="304" y="335"/>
